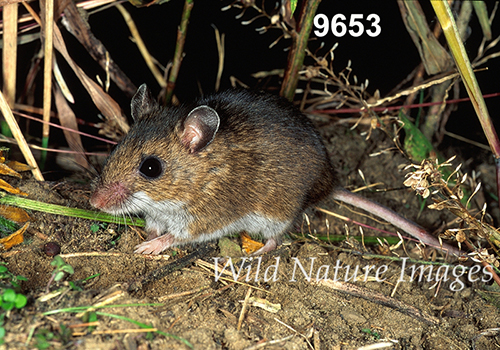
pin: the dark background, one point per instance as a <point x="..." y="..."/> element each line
<point x="384" y="61"/>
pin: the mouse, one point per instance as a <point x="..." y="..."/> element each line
<point x="237" y="160"/>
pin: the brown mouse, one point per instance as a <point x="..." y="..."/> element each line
<point x="233" y="161"/>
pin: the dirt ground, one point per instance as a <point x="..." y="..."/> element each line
<point x="188" y="303"/>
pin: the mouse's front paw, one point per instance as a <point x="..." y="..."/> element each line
<point x="155" y="246"/>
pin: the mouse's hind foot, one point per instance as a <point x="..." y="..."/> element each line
<point x="270" y="245"/>
<point x="155" y="246"/>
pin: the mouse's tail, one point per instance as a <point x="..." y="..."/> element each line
<point x="393" y="218"/>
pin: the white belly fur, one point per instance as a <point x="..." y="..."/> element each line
<point x="172" y="217"/>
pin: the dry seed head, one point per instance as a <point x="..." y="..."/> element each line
<point x="323" y="63"/>
<point x="246" y="3"/>
<point x="311" y="72"/>
<point x="418" y="183"/>
<point x="438" y="206"/>
<point x="478" y="186"/>
<point x="464" y="178"/>
<point x="460" y="236"/>
<point x="483" y="255"/>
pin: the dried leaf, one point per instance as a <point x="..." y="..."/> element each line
<point x="248" y="244"/>
<point x="18" y="166"/>
<point x="67" y="118"/>
<point x="14" y="214"/>
<point x="108" y="107"/>
<point x="6" y="170"/>
<point x="77" y="25"/>
<point x="15" y="238"/>
<point x="263" y="304"/>
<point x="6" y="187"/>
<point x="61" y="83"/>
<point x="434" y="56"/>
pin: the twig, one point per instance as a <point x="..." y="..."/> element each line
<point x="244" y="309"/>
<point x="298" y="50"/>
<point x="179" y="50"/>
<point x="163" y="271"/>
<point x="378" y="298"/>
<point x="270" y="342"/>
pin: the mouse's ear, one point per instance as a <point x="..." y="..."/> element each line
<point x="142" y="103"/>
<point x="200" y="128"/>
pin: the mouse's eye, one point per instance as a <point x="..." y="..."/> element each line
<point x="151" y="168"/>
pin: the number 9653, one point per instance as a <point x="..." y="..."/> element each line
<point x="339" y="28"/>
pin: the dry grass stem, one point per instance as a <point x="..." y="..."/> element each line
<point x="244" y="309"/>
<point x="9" y="52"/>
<point x="183" y="294"/>
<point x="269" y="342"/>
<point x="48" y="35"/>
<point x="18" y="135"/>
<point x="141" y="46"/>
<point x="219" y="38"/>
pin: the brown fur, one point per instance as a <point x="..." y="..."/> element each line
<point x="265" y="158"/>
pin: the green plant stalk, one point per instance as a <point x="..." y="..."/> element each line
<point x="179" y="50"/>
<point x="482" y="16"/>
<point x="341" y="238"/>
<point x="143" y="325"/>
<point x="31" y="204"/>
<point x="78" y="309"/>
<point x="43" y="153"/>
<point x="457" y="49"/>
<point x="298" y="50"/>
<point x="85" y="308"/>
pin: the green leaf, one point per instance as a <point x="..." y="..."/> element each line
<point x="68" y="268"/>
<point x="2" y="332"/>
<point x="7" y="306"/>
<point x="92" y="317"/>
<point x="293" y="6"/>
<point x="94" y="227"/>
<point x="57" y="261"/>
<point x="9" y="295"/>
<point x="7" y="226"/>
<point x="415" y="144"/>
<point x="41" y="342"/>
<point x="482" y="16"/>
<point x="75" y="287"/>
<point x="20" y="301"/>
<point x="59" y="276"/>
<point x="90" y="277"/>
